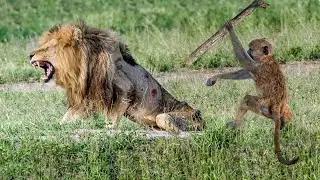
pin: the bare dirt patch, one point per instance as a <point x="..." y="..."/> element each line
<point x="291" y="69"/>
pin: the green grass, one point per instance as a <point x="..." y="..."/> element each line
<point x="161" y="34"/>
<point x="33" y="145"/>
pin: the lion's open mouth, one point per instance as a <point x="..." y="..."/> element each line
<point x="48" y="69"/>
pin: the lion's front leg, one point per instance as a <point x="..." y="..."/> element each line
<point x="125" y="94"/>
<point x="116" y="112"/>
<point x="72" y="115"/>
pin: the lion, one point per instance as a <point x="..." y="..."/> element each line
<point x="99" y="74"/>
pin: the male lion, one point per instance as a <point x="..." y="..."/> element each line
<point x="99" y="74"/>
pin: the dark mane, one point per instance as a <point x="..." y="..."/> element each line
<point x="54" y="28"/>
<point x="126" y="55"/>
<point x="100" y="40"/>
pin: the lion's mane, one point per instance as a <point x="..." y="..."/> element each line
<point x="83" y="65"/>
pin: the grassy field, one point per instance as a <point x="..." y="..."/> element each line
<point x="34" y="145"/>
<point x="161" y="34"/>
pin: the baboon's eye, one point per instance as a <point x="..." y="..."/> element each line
<point x="266" y="50"/>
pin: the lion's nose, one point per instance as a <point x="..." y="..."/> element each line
<point x="30" y="56"/>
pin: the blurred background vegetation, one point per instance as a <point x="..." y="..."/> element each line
<point x="161" y="34"/>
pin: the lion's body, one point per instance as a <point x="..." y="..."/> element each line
<point x="99" y="74"/>
<point x="151" y="100"/>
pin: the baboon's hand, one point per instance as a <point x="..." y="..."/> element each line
<point x="211" y="81"/>
<point x="229" y="26"/>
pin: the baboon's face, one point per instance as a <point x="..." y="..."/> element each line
<point x="45" y="57"/>
<point x="259" y="48"/>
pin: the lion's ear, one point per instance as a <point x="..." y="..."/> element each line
<point x="77" y="36"/>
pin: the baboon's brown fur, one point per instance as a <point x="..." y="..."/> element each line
<point x="99" y="74"/>
<point x="272" y="98"/>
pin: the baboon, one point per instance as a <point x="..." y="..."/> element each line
<point x="272" y="100"/>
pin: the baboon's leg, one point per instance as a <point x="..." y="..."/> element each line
<point x="286" y="112"/>
<point x="286" y="115"/>
<point x="259" y="105"/>
<point x="237" y="75"/>
<point x="123" y="100"/>
<point x="242" y="110"/>
<point x="252" y="103"/>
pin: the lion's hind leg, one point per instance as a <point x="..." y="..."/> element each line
<point x="179" y="121"/>
<point x="166" y="121"/>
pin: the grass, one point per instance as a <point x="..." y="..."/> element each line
<point x="33" y="145"/>
<point x="161" y="34"/>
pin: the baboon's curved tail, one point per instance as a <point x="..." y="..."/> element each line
<point x="277" y="143"/>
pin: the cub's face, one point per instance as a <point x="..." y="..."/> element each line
<point x="45" y="57"/>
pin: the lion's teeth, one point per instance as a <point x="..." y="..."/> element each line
<point x="38" y="63"/>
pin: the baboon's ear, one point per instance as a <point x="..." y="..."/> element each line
<point x="77" y="36"/>
<point x="265" y="50"/>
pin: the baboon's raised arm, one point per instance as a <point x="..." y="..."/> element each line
<point x="241" y="54"/>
